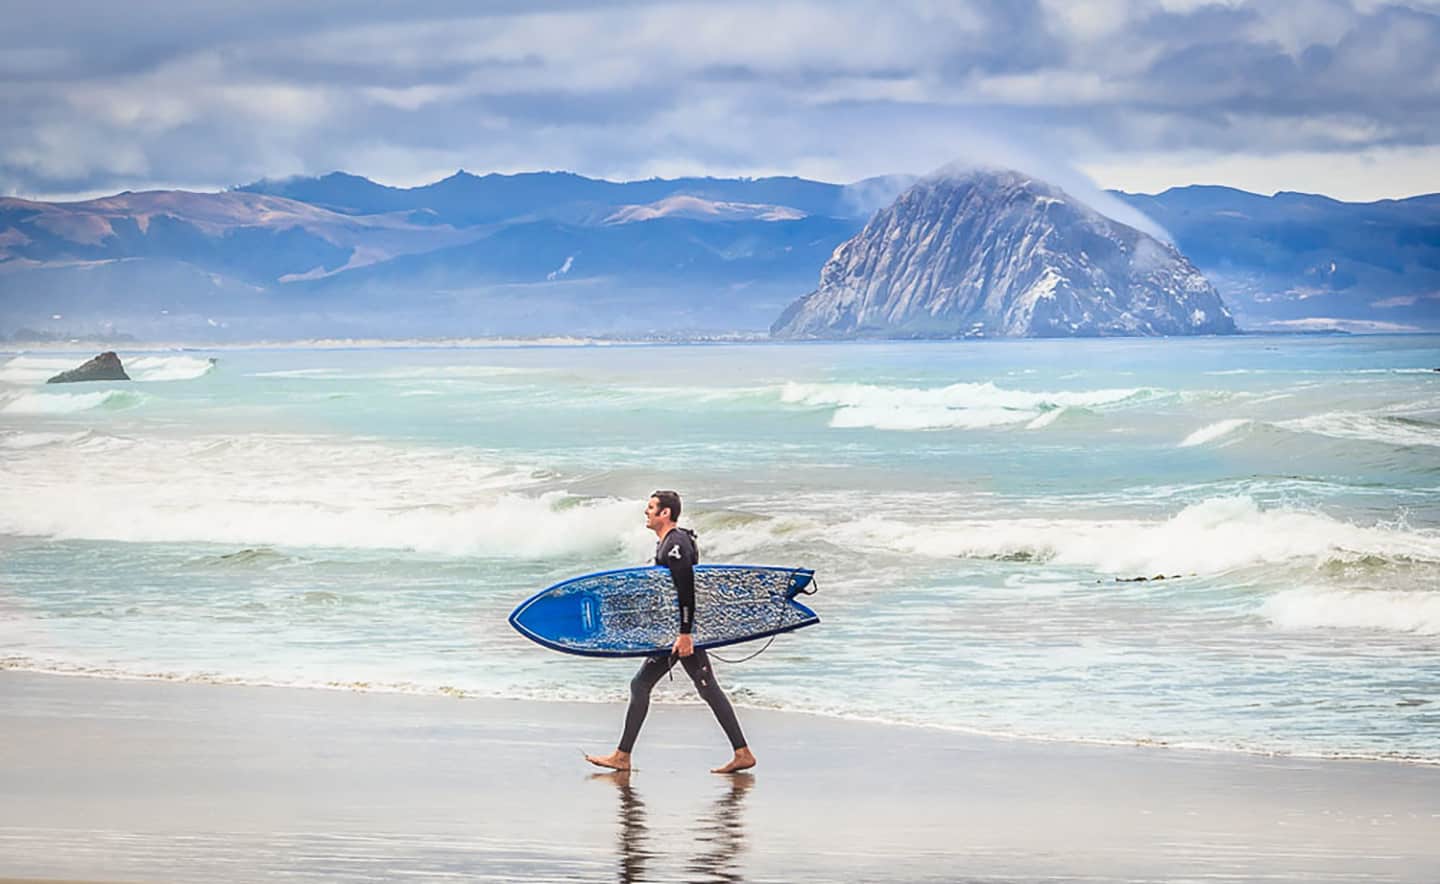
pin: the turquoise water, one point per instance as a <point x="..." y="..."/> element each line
<point x="977" y="513"/>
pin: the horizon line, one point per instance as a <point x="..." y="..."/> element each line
<point x="91" y="196"/>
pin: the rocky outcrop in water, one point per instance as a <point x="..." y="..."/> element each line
<point x="105" y="367"/>
<point x="988" y="253"/>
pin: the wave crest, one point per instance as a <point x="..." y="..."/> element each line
<point x="1211" y="537"/>
<point x="1395" y="430"/>
<point x="1212" y="432"/>
<point x="70" y="403"/>
<point x="957" y="406"/>
<point x="1413" y="611"/>
<point x="302" y="491"/>
<point x="35" y="369"/>
<point x="148" y="369"/>
<point x="30" y="370"/>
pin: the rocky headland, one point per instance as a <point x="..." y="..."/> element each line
<point x="987" y="253"/>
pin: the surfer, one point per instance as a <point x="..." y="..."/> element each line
<point x="676" y="550"/>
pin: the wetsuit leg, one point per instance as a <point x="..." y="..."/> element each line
<point x="697" y="665"/>
<point x="640" y="687"/>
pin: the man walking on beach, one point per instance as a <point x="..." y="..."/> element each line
<point x="676" y="551"/>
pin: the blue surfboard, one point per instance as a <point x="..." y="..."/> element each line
<point x="632" y="612"/>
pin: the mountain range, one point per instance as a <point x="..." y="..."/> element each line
<point x="557" y="253"/>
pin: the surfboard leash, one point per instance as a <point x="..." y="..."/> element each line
<point x="813" y="588"/>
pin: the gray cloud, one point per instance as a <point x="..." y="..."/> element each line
<point x="105" y="96"/>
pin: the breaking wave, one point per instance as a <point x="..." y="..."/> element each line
<point x="70" y="403"/>
<point x="1211" y="537"/>
<point x="1212" y="432"/>
<point x="1412" y="611"/>
<point x="300" y="491"/>
<point x="1395" y="430"/>
<point x="21" y="440"/>
<point x="28" y="370"/>
<point x="148" y="369"/>
<point x="958" y="406"/>
<point x="1386" y="429"/>
<point x="35" y="369"/>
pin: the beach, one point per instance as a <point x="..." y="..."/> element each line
<point x="132" y="780"/>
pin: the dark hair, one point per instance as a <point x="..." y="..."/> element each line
<point x="668" y="500"/>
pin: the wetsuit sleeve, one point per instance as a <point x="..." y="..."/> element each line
<point x="679" y="556"/>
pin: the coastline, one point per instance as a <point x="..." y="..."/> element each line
<point x="510" y="342"/>
<point x="13" y="665"/>
<point x="141" y="780"/>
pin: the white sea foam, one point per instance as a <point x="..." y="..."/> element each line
<point x="302" y="491"/>
<point x="1206" y="538"/>
<point x="1387" y="429"/>
<point x="35" y="369"/>
<point x="1212" y="432"/>
<point x="20" y="440"/>
<point x="70" y="403"/>
<point x="1425" y="371"/>
<point x="144" y="369"/>
<point x="402" y="373"/>
<point x="148" y="369"/>
<point x="1413" y="611"/>
<point x="1046" y="418"/>
<point x="958" y="406"/>
<point x="451" y="371"/>
<point x="298" y="373"/>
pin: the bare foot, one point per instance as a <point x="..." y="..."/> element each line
<point x="744" y="760"/>
<point x="616" y="760"/>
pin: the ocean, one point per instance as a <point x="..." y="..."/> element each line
<point x="979" y="515"/>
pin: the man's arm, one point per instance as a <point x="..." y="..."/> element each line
<point x="679" y="557"/>
<point x="683" y="574"/>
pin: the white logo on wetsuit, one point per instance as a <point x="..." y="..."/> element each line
<point x="674" y="552"/>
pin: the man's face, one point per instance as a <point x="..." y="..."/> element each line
<point x="653" y="517"/>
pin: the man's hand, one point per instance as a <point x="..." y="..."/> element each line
<point x="684" y="645"/>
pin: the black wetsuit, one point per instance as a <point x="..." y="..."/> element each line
<point x="676" y="551"/>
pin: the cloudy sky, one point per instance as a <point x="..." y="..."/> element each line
<point x="1330" y="96"/>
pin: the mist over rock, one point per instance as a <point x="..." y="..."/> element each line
<point x="996" y="253"/>
<point x="105" y="367"/>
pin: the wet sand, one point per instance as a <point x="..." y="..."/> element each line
<point x="154" y="781"/>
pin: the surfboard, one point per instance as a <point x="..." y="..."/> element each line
<point x="632" y="612"/>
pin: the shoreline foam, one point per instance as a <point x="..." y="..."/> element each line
<point x="9" y="665"/>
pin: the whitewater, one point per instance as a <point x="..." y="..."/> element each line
<point x="1225" y="544"/>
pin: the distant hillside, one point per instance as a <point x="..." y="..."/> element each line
<point x="464" y="199"/>
<point x="555" y="252"/>
<point x="1298" y="256"/>
<point x="495" y="254"/>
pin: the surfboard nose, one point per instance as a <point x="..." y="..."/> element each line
<point x="558" y="617"/>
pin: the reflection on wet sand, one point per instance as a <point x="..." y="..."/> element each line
<point x="719" y="834"/>
<point x="633" y="830"/>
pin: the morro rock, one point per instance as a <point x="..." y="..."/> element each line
<point x="988" y="253"/>
<point x="105" y="367"/>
